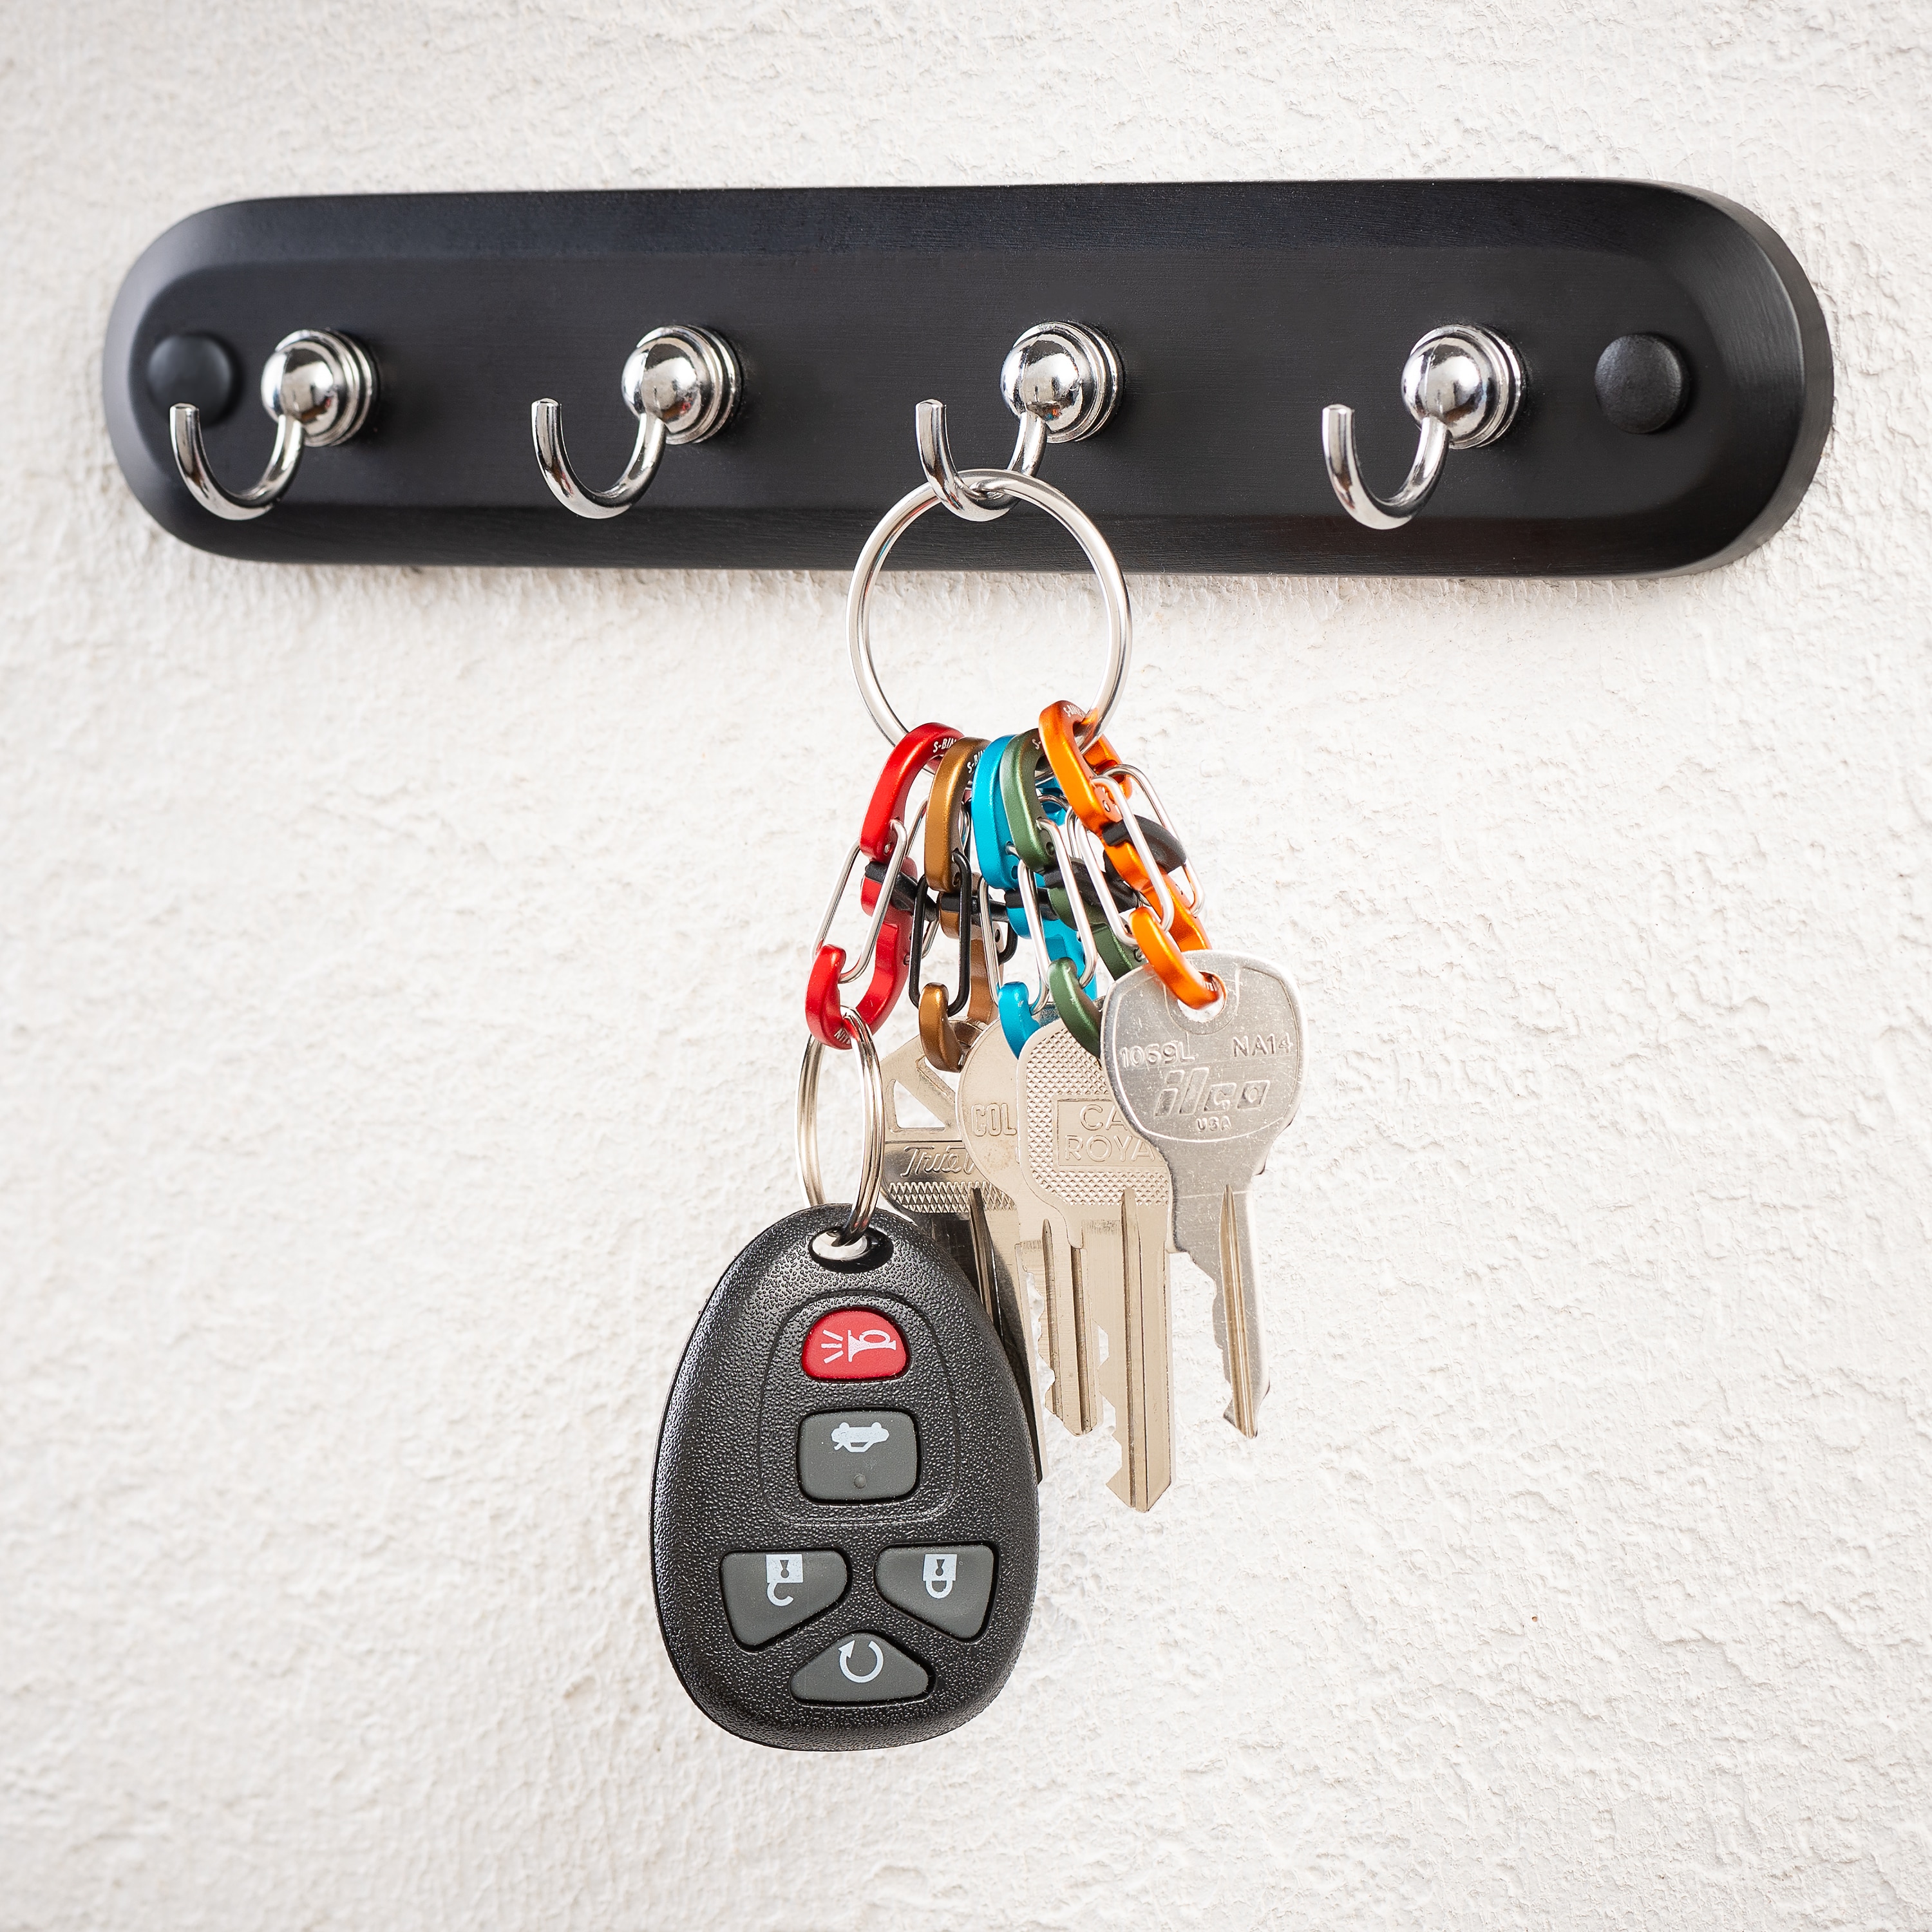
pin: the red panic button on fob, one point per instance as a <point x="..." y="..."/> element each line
<point x="854" y="1345"/>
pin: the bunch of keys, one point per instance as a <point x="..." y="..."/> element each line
<point x="1074" y="1128"/>
<point x="1119" y="1105"/>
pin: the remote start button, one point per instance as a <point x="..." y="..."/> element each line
<point x="863" y="1669"/>
<point x="854" y="1345"/>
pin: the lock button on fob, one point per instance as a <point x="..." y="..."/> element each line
<point x="946" y="1585"/>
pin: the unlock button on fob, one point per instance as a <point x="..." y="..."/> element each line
<point x="767" y="1594"/>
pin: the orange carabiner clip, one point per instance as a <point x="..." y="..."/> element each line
<point x="1182" y="933"/>
<point x="1058" y="724"/>
<point x="1075" y="769"/>
<point x="883" y="840"/>
<point x="1167" y="963"/>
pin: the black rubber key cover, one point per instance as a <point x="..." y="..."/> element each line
<point x="727" y="1484"/>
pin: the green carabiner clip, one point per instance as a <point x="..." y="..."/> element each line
<point x="1035" y="847"/>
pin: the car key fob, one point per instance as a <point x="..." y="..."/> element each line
<point x="844" y="1530"/>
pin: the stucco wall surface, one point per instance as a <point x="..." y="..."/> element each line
<point x="399" y="987"/>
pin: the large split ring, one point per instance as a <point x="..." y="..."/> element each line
<point x="851" y="1237"/>
<point x="1065" y="511"/>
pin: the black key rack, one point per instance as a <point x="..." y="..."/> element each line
<point x="1610" y="378"/>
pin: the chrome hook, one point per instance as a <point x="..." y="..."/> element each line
<point x="318" y="386"/>
<point x="1464" y="385"/>
<point x="1061" y="379"/>
<point x="681" y="383"/>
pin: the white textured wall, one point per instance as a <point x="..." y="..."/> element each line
<point x="401" y="974"/>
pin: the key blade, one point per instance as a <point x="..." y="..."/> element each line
<point x="1240" y="1312"/>
<point x="1215" y="1235"/>
<point x="1053" y="1261"/>
<point x="1100" y="1303"/>
<point x="989" y="1107"/>
<point x="987" y="1112"/>
<point x="932" y="1178"/>
<point x="1148" y="1347"/>
<point x="1121" y="1267"/>
<point x="1080" y="1156"/>
<point x="1004" y="1298"/>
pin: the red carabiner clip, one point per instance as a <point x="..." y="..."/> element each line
<point x="883" y="840"/>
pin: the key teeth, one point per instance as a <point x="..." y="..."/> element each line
<point x="1003" y="1296"/>
<point x="1121" y="1482"/>
<point x="1234" y="1308"/>
<point x="1218" y="1304"/>
<point x="1228" y="1415"/>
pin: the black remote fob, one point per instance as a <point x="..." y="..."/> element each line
<point x="844" y="1530"/>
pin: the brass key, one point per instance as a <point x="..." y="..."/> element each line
<point x="1031" y="1236"/>
<point x="1109" y="1191"/>
<point x="932" y="1178"/>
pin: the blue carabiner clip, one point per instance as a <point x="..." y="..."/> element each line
<point x="992" y="835"/>
<point x="1018" y="1020"/>
<point x="999" y="865"/>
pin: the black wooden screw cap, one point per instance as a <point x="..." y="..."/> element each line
<point x="196" y="369"/>
<point x="1642" y="383"/>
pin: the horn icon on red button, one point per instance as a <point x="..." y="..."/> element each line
<point x="854" y="1345"/>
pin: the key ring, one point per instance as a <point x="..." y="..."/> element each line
<point x="1064" y="510"/>
<point x="850" y="1240"/>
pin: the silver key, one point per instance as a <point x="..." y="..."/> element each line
<point x="1031" y="1237"/>
<point x="932" y="1178"/>
<point x="1110" y="1191"/>
<point x="1211" y="1091"/>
